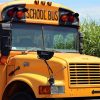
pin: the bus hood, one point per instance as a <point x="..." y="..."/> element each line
<point x="30" y="63"/>
<point x="77" y="58"/>
<point x="66" y="57"/>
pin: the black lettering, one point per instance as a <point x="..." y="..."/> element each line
<point x="31" y="13"/>
<point x="56" y="15"/>
<point x="38" y="15"/>
<point x="53" y="15"/>
<point x="27" y="14"/>
<point x="49" y="15"/>
<point x="41" y="14"/>
<point x="45" y="15"/>
<point x="34" y="13"/>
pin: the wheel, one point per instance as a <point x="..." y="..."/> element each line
<point x="22" y="96"/>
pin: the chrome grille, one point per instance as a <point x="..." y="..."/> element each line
<point x="84" y="74"/>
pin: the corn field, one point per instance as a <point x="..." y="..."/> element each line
<point x="91" y="40"/>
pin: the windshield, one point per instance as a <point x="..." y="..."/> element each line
<point x="44" y="37"/>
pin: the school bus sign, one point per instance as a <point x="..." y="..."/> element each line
<point x="42" y="14"/>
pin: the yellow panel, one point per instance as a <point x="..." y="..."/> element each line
<point x="42" y="14"/>
<point x="2" y="79"/>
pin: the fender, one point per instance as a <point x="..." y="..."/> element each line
<point x="33" y="80"/>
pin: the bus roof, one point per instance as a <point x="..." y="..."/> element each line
<point x="50" y="14"/>
<point x="14" y="2"/>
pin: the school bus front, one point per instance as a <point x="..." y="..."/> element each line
<point x="41" y="56"/>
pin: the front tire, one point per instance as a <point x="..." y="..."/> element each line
<point x="22" y="96"/>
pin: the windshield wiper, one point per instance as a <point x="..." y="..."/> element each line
<point x="29" y="50"/>
<point x="57" y="51"/>
<point x="35" y="49"/>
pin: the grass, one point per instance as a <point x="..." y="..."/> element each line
<point x="91" y="33"/>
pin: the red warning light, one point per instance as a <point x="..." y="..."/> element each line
<point x="20" y="14"/>
<point x="71" y="18"/>
<point x="10" y="13"/>
<point x="64" y="18"/>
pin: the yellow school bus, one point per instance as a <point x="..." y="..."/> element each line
<point x="41" y="53"/>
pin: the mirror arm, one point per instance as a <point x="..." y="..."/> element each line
<point x="51" y="79"/>
<point x="81" y="43"/>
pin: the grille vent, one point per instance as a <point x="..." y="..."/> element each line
<point x="84" y="74"/>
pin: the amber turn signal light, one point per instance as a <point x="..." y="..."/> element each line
<point x="3" y="60"/>
<point x="36" y="2"/>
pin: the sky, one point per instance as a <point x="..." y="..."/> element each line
<point x="86" y="8"/>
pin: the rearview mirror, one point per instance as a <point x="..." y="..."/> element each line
<point x="46" y="55"/>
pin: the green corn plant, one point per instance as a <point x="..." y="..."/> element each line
<point x="91" y="33"/>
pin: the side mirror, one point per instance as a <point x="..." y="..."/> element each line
<point x="5" y="39"/>
<point x="81" y="43"/>
<point x="5" y="42"/>
<point x="46" y="55"/>
<point x="0" y="36"/>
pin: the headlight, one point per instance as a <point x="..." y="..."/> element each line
<point x="57" y="89"/>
